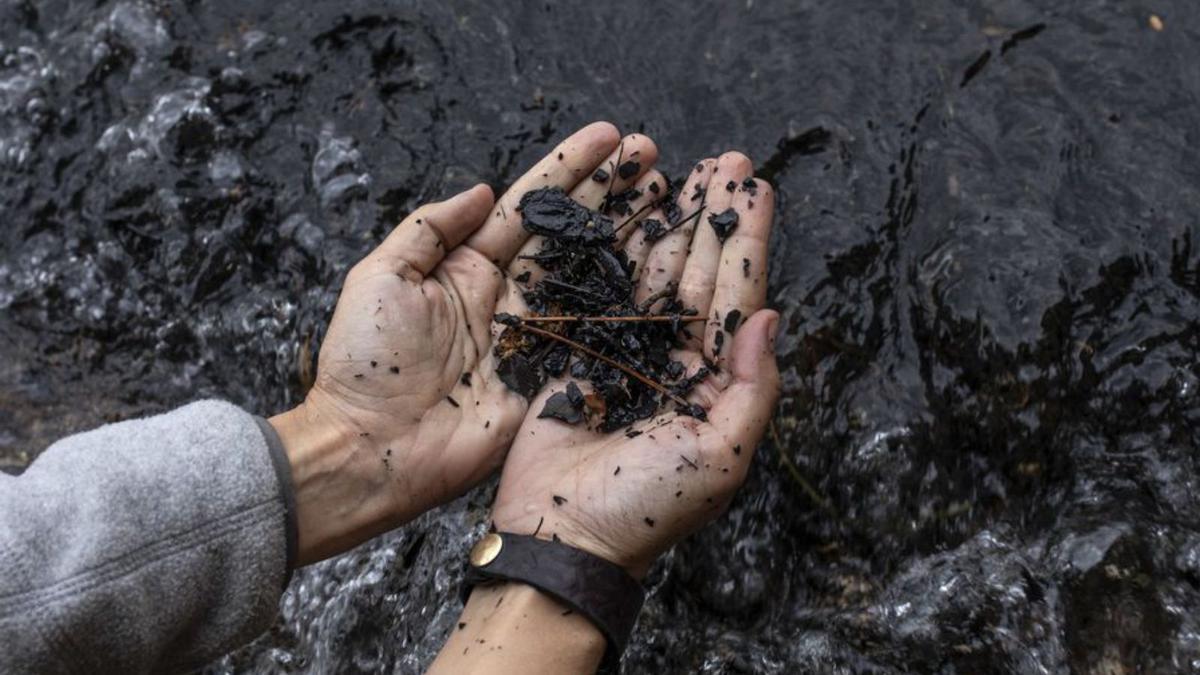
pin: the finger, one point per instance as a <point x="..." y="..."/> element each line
<point x="741" y="286"/>
<point x="574" y="159"/>
<point x="637" y="248"/>
<point x="742" y="411"/>
<point x="635" y="241"/>
<point x="421" y="240"/>
<point x="707" y="391"/>
<point x="632" y="158"/>
<point x="699" y="278"/>
<point x="643" y="197"/>
<point x="667" y="256"/>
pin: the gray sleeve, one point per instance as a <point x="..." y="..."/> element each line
<point x="154" y="544"/>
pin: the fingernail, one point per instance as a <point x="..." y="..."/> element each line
<point x="772" y="329"/>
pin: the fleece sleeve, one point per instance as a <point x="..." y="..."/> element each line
<point x="149" y="545"/>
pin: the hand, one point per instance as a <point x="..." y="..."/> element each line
<point x="629" y="499"/>
<point x="407" y="411"/>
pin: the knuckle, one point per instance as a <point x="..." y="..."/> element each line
<point x="423" y="213"/>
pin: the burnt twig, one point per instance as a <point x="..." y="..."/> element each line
<point x="615" y="364"/>
<point x="637" y="213"/>
<point x="666" y="318"/>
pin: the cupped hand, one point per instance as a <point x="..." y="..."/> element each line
<point x="627" y="496"/>
<point x="407" y="411"/>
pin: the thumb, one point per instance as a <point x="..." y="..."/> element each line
<point x="744" y="408"/>
<point x="423" y="238"/>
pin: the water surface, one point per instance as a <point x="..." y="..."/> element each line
<point x="987" y="260"/>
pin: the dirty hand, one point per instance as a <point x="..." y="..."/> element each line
<point x="407" y="411"/>
<point x="628" y="497"/>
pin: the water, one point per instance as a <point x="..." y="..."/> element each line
<point x="988" y="267"/>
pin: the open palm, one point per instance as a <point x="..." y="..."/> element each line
<point x="630" y="494"/>
<point x="407" y="392"/>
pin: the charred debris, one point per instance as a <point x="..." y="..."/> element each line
<point x="584" y="323"/>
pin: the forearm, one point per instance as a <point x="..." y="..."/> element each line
<point x="514" y="628"/>
<point x="153" y="544"/>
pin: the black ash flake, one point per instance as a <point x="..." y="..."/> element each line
<point x="551" y="213"/>
<point x="565" y="406"/>
<point x="520" y="375"/>
<point x="653" y="229"/>
<point x="619" y="203"/>
<point x="732" y="320"/>
<point x="724" y="223"/>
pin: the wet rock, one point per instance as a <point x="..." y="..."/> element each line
<point x="982" y="327"/>
<point x="1115" y="617"/>
<point x="336" y="169"/>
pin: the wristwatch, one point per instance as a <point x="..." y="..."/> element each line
<point x="588" y="584"/>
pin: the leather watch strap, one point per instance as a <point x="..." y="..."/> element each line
<point x="589" y="585"/>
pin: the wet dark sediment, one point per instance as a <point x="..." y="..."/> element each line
<point x="988" y="263"/>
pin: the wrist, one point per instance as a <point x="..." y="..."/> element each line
<point x="565" y="531"/>
<point x="590" y="586"/>
<point x="341" y="498"/>
<point x="511" y="627"/>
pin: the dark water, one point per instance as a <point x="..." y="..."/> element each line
<point x="988" y="263"/>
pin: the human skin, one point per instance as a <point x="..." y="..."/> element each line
<point x="407" y="411"/>
<point x="629" y="499"/>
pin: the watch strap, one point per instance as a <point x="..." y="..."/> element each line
<point x="592" y="586"/>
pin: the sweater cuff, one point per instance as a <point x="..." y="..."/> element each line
<point x="283" y="472"/>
